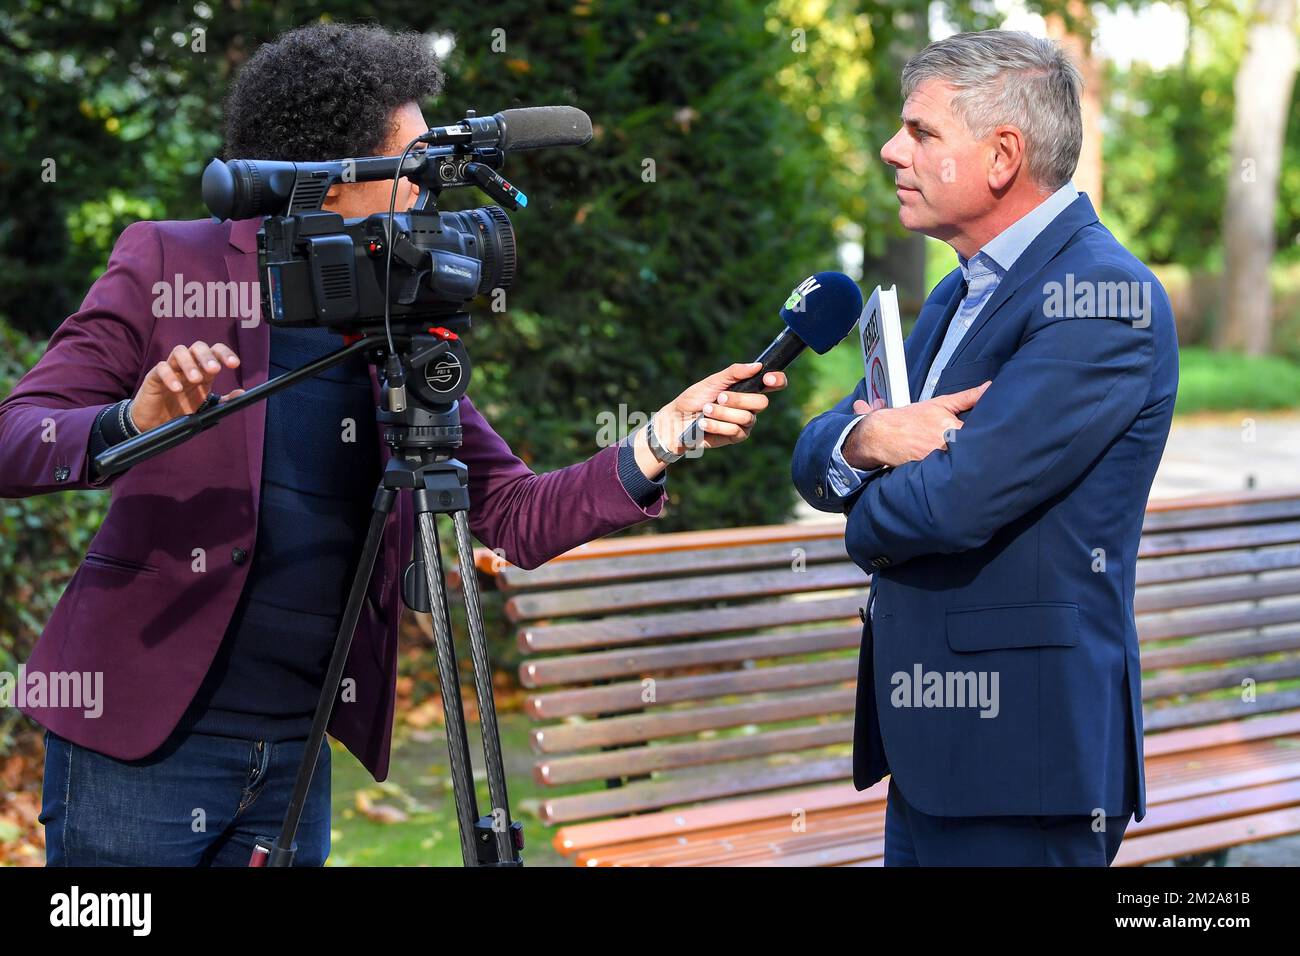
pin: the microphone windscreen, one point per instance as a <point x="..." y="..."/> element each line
<point x="822" y="309"/>
<point x="536" y="127"/>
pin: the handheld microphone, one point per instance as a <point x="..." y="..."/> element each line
<point x="818" y="314"/>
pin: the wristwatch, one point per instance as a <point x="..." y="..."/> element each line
<point x="662" y="454"/>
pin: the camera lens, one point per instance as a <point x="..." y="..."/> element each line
<point x="496" y="238"/>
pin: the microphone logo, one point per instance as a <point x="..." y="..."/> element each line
<point x="807" y="286"/>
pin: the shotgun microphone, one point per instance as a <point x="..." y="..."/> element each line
<point x="818" y="314"/>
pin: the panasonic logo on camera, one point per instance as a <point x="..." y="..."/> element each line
<point x="463" y="273"/>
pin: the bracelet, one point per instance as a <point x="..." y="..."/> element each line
<point x="662" y="454"/>
<point x="124" y="421"/>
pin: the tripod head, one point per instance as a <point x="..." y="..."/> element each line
<point x="420" y="419"/>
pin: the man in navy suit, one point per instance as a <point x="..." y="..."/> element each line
<point x="999" y="513"/>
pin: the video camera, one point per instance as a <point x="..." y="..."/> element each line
<point x="317" y="268"/>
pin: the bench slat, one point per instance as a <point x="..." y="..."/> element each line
<point x="1221" y="648"/>
<point x="1170" y="685"/>
<point x="636" y="761"/>
<point x="675" y="591"/>
<point x="639" y="661"/>
<point x="627" y="695"/>
<point x="648" y="566"/>
<point x="756" y="584"/>
<point x="1225" y="539"/>
<point x="1233" y="513"/>
<point x="679" y="824"/>
<point x="1199" y="594"/>
<point x="618" y="632"/>
<point x="640" y="796"/>
<point x="1196" y="511"/>
<point x="670" y="690"/>
<point x="1187" y="715"/>
<point x="1165" y="625"/>
<point x="1168" y="570"/>
<point x="612" y="731"/>
<point x="1208" y="837"/>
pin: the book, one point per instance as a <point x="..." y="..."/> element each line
<point x="881" y="333"/>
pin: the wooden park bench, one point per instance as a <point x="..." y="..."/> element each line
<point x="747" y="639"/>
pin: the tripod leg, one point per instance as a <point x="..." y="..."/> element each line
<point x="462" y="774"/>
<point x="501" y="823"/>
<point x="281" y="853"/>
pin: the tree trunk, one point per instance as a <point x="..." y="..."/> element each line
<point x="1078" y="43"/>
<point x="902" y="262"/>
<point x="1262" y="95"/>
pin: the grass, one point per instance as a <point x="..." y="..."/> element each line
<point x="419" y="785"/>
<point x="1208" y="381"/>
<point x="1224" y="381"/>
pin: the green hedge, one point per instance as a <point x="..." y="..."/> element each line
<point x="44" y="536"/>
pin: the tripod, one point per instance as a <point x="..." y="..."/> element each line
<point x="421" y="424"/>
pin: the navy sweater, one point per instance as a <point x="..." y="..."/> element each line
<point x="320" y="466"/>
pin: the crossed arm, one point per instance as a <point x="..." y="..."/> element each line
<point x="1072" y="387"/>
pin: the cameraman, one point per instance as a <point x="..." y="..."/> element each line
<point x="209" y="599"/>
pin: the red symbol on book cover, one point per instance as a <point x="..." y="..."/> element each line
<point x="877" y="387"/>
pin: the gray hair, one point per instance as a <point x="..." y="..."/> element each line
<point x="1006" y="77"/>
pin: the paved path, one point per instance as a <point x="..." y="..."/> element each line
<point x="1230" y="453"/>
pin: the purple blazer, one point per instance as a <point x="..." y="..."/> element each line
<point x="149" y="605"/>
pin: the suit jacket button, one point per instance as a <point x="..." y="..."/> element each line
<point x="62" y="472"/>
<point x="238" y="555"/>
<point x="821" y="490"/>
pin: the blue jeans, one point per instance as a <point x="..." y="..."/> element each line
<point x="199" y="800"/>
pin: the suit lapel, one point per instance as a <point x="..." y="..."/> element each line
<point x="1047" y="244"/>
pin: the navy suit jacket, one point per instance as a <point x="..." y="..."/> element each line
<point x="1010" y="556"/>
